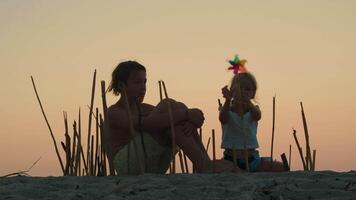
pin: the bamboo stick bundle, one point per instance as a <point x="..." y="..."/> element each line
<point x="131" y="127"/>
<point x="49" y="127"/>
<point x="214" y="153"/>
<point x="172" y="128"/>
<point x="299" y="149"/>
<point x="273" y="124"/>
<point x="308" y="152"/>
<point x="106" y="131"/>
<point x="90" y="119"/>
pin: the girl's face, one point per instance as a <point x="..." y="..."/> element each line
<point x="136" y="85"/>
<point x="246" y="88"/>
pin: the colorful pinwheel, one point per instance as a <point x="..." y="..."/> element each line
<point x="238" y="66"/>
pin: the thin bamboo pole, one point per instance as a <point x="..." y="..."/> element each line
<point x="90" y="118"/>
<point x="185" y="163"/>
<point x="67" y="146"/>
<point x="103" y="149"/>
<point x="214" y="151"/>
<point x="290" y="157"/>
<point x="285" y="162"/>
<point x="131" y="127"/>
<point x="299" y="149"/>
<point x="80" y="149"/>
<point x="172" y="128"/>
<point x="208" y="144"/>
<point x="314" y="155"/>
<point x="273" y="124"/>
<point x="305" y="125"/>
<point x="49" y="127"/>
<point x="96" y="140"/>
<point x="181" y="161"/>
<point x="106" y="131"/>
<point x="92" y="155"/>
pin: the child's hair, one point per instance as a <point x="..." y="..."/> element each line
<point x="247" y="76"/>
<point x="121" y="73"/>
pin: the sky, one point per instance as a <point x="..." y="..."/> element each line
<point x="297" y="50"/>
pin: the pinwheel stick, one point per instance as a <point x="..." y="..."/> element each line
<point x="242" y="121"/>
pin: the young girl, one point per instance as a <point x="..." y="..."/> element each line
<point x="238" y="101"/>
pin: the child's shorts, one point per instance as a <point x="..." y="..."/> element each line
<point x="254" y="161"/>
<point x="158" y="157"/>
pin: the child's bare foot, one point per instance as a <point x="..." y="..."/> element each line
<point x="225" y="166"/>
<point x="221" y="166"/>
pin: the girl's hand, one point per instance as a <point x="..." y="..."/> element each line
<point x="227" y="94"/>
<point x="196" y="117"/>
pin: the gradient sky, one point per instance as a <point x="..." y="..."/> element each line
<point x="298" y="50"/>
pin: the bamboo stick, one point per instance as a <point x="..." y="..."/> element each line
<point x="106" y="132"/>
<point x="80" y="149"/>
<point x="214" y="154"/>
<point x="185" y="163"/>
<point x="273" y="124"/>
<point x="305" y="125"/>
<point x="314" y="155"/>
<point x="290" y="157"/>
<point x="172" y="128"/>
<point x="160" y="91"/>
<point x="285" y="162"/>
<point x="92" y="155"/>
<point x="90" y="117"/>
<point x="242" y="123"/>
<point x="131" y="126"/>
<point x="104" y="152"/>
<point x="76" y="157"/>
<point x="207" y="145"/>
<point x="299" y="149"/>
<point x="181" y="161"/>
<point x="49" y="127"/>
<point x="96" y="140"/>
<point x="67" y="146"/>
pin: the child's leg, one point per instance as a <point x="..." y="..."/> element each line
<point x="190" y="143"/>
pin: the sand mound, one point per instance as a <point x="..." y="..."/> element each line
<point x="291" y="185"/>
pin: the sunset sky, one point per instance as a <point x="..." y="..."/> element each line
<point x="298" y="50"/>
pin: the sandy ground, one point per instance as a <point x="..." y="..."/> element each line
<point x="289" y="185"/>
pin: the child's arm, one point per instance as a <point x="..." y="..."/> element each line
<point x="224" y="112"/>
<point x="254" y="110"/>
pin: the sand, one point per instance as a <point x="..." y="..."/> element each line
<point x="289" y="185"/>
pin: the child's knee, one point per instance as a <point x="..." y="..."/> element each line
<point x="162" y="106"/>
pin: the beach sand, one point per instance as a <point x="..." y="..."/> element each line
<point x="289" y="185"/>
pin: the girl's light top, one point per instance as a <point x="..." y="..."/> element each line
<point x="233" y="136"/>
